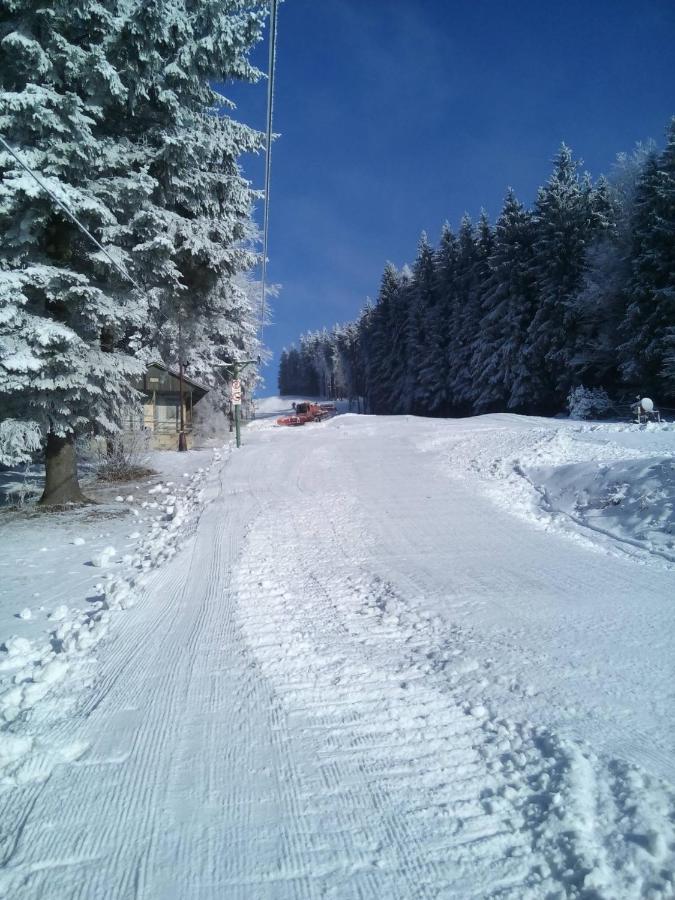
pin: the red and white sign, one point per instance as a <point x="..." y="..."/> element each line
<point x="235" y="391"/>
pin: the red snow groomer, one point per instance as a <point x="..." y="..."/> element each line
<point x="308" y="412"/>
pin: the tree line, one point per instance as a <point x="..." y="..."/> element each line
<point x="578" y="290"/>
<point x="114" y="106"/>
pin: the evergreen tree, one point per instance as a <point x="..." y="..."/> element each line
<point x="283" y="377"/>
<point x="192" y="234"/>
<point x="387" y="343"/>
<point x="441" y="324"/>
<point x="464" y="316"/>
<point x="421" y="311"/>
<point x="479" y="277"/>
<point x="112" y="104"/>
<point x="366" y="351"/>
<point x="350" y="353"/>
<point x="399" y="365"/>
<point x="63" y="306"/>
<point x="650" y="293"/>
<point x="501" y="375"/>
<point x="565" y="222"/>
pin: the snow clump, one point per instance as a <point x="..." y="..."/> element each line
<point x="104" y="558"/>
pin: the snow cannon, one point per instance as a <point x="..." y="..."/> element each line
<point x="645" y="411"/>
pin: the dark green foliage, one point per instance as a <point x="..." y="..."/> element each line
<point x="578" y="291"/>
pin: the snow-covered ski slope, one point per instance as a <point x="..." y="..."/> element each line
<point x="393" y="659"/>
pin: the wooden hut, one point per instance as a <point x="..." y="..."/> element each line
<point x="160" y="387"/>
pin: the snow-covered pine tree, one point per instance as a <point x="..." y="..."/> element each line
<point x="400" y="381"/>
<point x="601" y="302"/>
<point x="474" y="315"/>
<point x="646" y="353"/>
<point x="365" y="330"/>
<point x="351" y="368"/>
<point x="595" y="325"/>
<point x="501" y="374"/>
<point x="421" y="311"/>
<point x="386" y="341"/>
<point x="565" y="222"/>
<point x="283" y="377"/>
<point x="324" y="362"/>
<point x="311" y="377"/>
<point x="112" y="103"/>
<point x="441" y="323"/>
<point x="291" y="376"/>
<point x="341" y="362"/>
<point x="192" y="236"/>
<point x="62" y="305"/>
<point x="467" y="312"/>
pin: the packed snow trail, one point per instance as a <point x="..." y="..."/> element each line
<point x="360" y="679"/>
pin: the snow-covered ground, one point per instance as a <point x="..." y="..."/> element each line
<point x="64" y="575"/>
<point x="393" y="658"/>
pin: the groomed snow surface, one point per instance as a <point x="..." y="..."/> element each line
<point x="366" y="658"/>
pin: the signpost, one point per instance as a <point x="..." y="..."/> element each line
<point x="235" y="397"/>
<point x="182" y="439"/>
<point x="235" y="392"/>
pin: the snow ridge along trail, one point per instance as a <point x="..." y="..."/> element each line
<point x="361" y="679"/>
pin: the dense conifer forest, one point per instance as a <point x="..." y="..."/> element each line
<point x="576" y="293"/>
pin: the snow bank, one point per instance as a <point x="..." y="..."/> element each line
<point x="632" y="501"/>
<point x="610" y="484"/>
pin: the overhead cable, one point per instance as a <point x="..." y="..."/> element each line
<point x="268" y="155"/>
<point x="71" y="215"/>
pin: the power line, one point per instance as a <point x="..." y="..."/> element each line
<point x="68" y="212"/>
<point x="268" y="155"/>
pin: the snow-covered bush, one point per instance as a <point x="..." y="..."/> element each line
<point x="588" y="403"/>
<point x="123" y="456"/>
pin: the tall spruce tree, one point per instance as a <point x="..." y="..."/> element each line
<point x="112" y="104"/>
<point x="441" y="324"/>
<point x="387" y="343"/>
<point x="650" y="292"/>
<point x="401" y="382"/>
<point x="565" y="221"/>
<point x="502" y="379"/>
<point x="464" y="317"/>
<point x="63" y="306"/>
<point x="422" y="302"/>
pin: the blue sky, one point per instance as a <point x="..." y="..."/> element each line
<point x="397" y="115"/>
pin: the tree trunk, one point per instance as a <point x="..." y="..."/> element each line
<point x="61" y="484"/>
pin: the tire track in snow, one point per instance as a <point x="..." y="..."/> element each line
<point x="185" y="790"/>
<point x="525" y="812"/>
<point x="332" y="750"/>
<point x="376" y="725"/>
